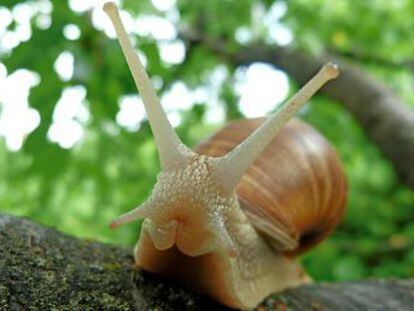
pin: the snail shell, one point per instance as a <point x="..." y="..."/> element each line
<point x="295" y="191"/>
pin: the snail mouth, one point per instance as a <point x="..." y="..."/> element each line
<point x="162" y="236"/>
<point x="190" y="238"/>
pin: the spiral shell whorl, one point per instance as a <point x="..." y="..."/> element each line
<point x="294" y="193"/>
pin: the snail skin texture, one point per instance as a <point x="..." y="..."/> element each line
<point x="227" y="219"/>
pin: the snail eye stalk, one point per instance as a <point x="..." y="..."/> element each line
<point x="173" y="153"/>
<point x="231" y="167"/>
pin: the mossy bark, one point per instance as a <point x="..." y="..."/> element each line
<point x="42" y="269"/>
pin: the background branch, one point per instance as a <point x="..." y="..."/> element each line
<point x="384" y="117"/>
<point x="387" y="120"/>
<point x="366" y="58"/>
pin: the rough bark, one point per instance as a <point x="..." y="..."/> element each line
<point x="42" y="269"/>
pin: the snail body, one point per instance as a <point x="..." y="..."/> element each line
<point x="228" y="218"/>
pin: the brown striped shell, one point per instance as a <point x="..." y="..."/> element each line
<point x="295" y="192"/>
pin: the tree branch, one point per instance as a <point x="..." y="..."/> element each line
<point x="42" y="269"/>
<point x="367" y="58"/>
<point x="384" y="117"/>
<point x="387" y="120"/>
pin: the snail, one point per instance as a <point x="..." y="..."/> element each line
<point x="229" y="218"/>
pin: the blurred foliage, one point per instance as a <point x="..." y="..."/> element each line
<point x="112" y="168"/>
